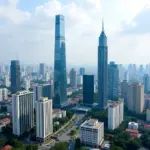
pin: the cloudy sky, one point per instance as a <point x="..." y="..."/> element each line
<point x="27" y="30"/>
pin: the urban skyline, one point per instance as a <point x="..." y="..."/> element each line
<point x="121" y="31"/>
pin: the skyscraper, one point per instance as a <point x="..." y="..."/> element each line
<point x="42" y="69"/>
<point x="102" y="70"/>
<point x="124" y="90"/>
<point x="44" y="123"/>
<point x="113" y="81"/>
<point x="73" y="78"/>
<point x="135" y="97"/>
<point x="60" y="79"/>
<point x="88" y="89"/>
<point x="37" y="92"/>
<point x="22" y="112"/>
<point x="48" y="91"/>
<point x="146" y="82"/>
<point x="82" y="71"/>
<point x="15" y="76"/>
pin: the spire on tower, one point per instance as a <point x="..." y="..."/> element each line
<point x="102" y="24"/>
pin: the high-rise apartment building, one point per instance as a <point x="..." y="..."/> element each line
<point x="42" y="69"/>
<point x="135" y="98"/>
<point x="73" y="78"/>
<point x="22" y="112"/>
<point x="124" y="90"/>
<point x="103" y="70"/>
<point x="44" y="123"/>
<point x="6" y="81"/>
<point x="88" y="89"/>
<point x="113" y="81"/>
<point x="60" y="79"/>
<point x="92" y="133"/>
<point x="115" y="114"/>
<point x="82" y="71"/>
<point x="146" y="82"/>
<point x="15" y="76"/>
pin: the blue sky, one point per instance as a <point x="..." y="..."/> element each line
<point x="27" y="28"/>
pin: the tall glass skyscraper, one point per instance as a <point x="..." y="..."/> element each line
<point x="15" y="76"/>
<point x="102" y="70"/>
<point x="60" y="80"/>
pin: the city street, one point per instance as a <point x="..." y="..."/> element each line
<point x="65" y="137"/>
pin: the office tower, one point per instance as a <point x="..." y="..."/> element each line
<point x="88" y="89"/>
<point x="135" y="98"/>
<point x="113" y="81"/>
<point x="15" y="76"/>
<point x="146" y="82"/>
<point x="60" y="79"/>
<point x="6" y="81"/>
<point x="115" y="114"/>
<point x="126" y="76"/>
<point x="102" y="70"/>
<point x="82" y="71"/>
<point x="48" y="91"/>
<point x="44" y="123"/>
<point x="141" y="69"/>
<point x="92" y="133"/>
<point x="79" y="80"/>
<point x="37" y="92"/>
<point x="22" y="112"/>
<point x="73" y="78"/>
<point x="124" y="90"/>
<point x="42" y="69"/>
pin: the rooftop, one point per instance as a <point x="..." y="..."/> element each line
<point x="7" y="147"/>
<point x="132" y="131"/>
<point x="4" y="120"/>
<point x="92" y="123"/>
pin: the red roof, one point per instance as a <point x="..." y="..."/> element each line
<point x="146" y="125"/>
<point x="132" y="131"/>
<point x="4" y="120"/>
<point x="7" y="147"/>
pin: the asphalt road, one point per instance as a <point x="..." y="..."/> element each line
<point x="64" y="137"/>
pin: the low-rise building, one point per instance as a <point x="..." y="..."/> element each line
<point x="133" y="133"/>
<point x="57" y="113"/>
<point x="133" y="125"/>
<point x="3" y="123"/>
<point x="92" y="133"/>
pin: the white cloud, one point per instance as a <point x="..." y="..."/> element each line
<point x="32" y="34"/>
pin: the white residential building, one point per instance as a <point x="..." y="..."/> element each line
<point x="22" y="112"/>
<point x="115" y="114"/>
<point x="133" y="125"/>
<point x="92" y="133"/>
<point x="44" y="124"/>
<point x="6" y="81"/>
<point x="148" y="115"/>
